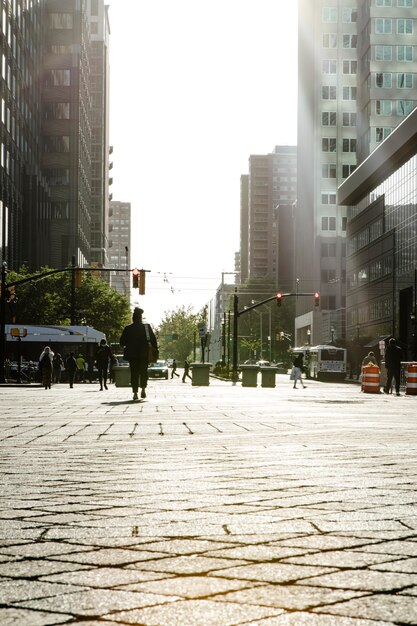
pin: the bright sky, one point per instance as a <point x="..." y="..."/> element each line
<point x="197" y="86"/>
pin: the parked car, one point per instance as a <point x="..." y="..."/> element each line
<point x="158" y="370"/>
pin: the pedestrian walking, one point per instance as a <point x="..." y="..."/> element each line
<point x="297" y="370"/>
<point x="103" y="360"/>
<point x="174" y="369"/>
<point x="71" y="367"/>
<point x="45" y="366"/>
<point x="393" y="357"/>
<point x="57" y="364"/>
<point x="186" y="371"/>
<point x="80" y="367"/>
<point x="369" y="359"/>
<point x="137" y="338"/>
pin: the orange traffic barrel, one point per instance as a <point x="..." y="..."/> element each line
<point x="411" y="379"/>
<point x="370" y="379"/>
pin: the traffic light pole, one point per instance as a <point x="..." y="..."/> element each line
<point x="237" y="314"/>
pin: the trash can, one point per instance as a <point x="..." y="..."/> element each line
<point x="268" y="376"/>
<point x="249" y="375"/>
<point x="121" y="376"/>
<point x="200" y="374"/>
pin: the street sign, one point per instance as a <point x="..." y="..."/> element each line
<point x="202" y="330"/>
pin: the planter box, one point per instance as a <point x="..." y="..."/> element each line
<point x="268" y="376"/>
<point x="200" y="374"/>
<point x="249" y="375"/>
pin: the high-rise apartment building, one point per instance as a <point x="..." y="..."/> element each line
<point x="24" y="209"/>
<point x="270" y="184"/>
<point x="119" y="242"/>
<point x="51" y="85"/>
<point x="99" y="88"/>
<point x="356" y="63"/>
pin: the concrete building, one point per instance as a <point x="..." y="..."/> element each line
<point x="381" y="196"/>
<point x="270" y="184"/>
<point x="100" y="165"/>
<point x="119" y="242"/>
<point x="24" y="194"/>
<point x="48" y="96"/>
<point x="356" y="63"/>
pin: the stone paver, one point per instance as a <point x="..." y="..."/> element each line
<point x="217" y="506"/>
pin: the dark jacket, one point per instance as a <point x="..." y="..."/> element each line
<point x="134" y="340"/>
<point x="393" y="357"/>
<point x="103" y="356"/>
<point x="71" y="364"/>
<point x="299" y="362"/>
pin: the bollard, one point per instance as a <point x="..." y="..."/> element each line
<point x="370" y="379"/>
<point x="411" y="380"/>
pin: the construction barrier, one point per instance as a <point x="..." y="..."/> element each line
<point x="411" y="380"/>
<point x="370" y="379"/>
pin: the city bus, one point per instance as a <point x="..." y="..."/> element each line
<point x="326" y="362"/>
<point x="62" y="339"/>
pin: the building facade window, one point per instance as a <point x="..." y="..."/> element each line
<point x="329" y="118"/>
<point x="383" y="79"/>
<point x="328" y="198"/>
<point x="347" y="170"/>
<point x="383" y="3"/>
<point x="404" y="107"/>
<point x="328" y="170"/>
<point x="329" y="40"/>
<point x="405" y="3"/>
<point x="383" y="107"/>
<point x="350" y="67"/>
<point x="328" y="92"/>
<point x="405" y="27"/>
<point x="349" y="145"/>
<point x="349" y="93"/>
<point x="383" y="53"/>
<point x="349" y="119"/>
<point x="329" y="14"/>
<point x="328" y="144"/>
<point x="349" y="15"/>
<point x="329" y="66"/>
<point x="383" y="26"/>
<point x="405" y="81"/>
<point x="381" y="133"/>
<point x="328" y="223"/>
<point x="405" y="53"/>
<point x="350" y="41"/>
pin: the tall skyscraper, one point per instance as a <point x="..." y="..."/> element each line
<point x="356" y="62"/>
<point x="99" y="66"/>
<point x="53" y="130"/>
<point x="270" y="184"/>
<point x="119" y="242"/>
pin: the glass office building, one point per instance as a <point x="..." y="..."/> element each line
<point x="381" y="196"/>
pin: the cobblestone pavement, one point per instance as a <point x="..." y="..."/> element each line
<point x="208" y="506"/>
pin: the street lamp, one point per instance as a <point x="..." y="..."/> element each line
<point x="332" y="333"/>
<point x="308" y="336"/>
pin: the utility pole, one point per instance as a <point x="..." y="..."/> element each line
<point x="3" y="297"/>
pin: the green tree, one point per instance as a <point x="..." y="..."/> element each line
<point x="176" y="334"/>
<point x="48" y="301"/>
<point x="282" y="319"/>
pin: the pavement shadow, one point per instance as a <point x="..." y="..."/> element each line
<point x="124" y="402"/>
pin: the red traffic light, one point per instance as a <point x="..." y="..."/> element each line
<point x="135" y="278"/>
<point x="317" y="299"/>
<point x="279" y="298"/>
<point x="142" y="276"/>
